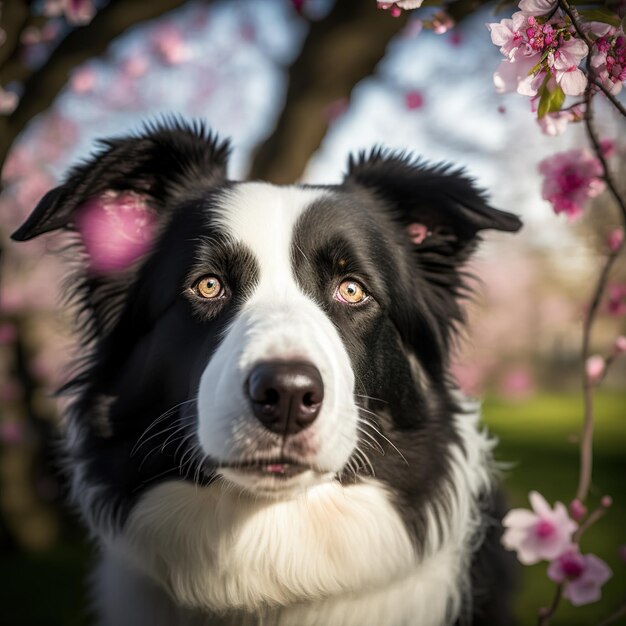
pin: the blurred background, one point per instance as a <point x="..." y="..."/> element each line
<point x="298" y="86"/>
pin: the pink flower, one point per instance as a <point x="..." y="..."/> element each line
<point x="554" y="124"/>
<point x="8" y="333"/>
<point x="536" y="7"/>
<point x="594" y="368"/>
<point x="565" y="63"/>
<point x="608" y="58"/>
<point x="170" y="46"/>
<point x="11" y="432"/>
<point x="117" y="228"/>
<point x="414" y="100"/>
<point x="542" y="533"/>
<point x="615" y="239"/>
<point x="570" y="179"/>
<point x="617" y="299"/>
<point x="135" y="66"/>
<point x="536" y="49"/>
<point x="336" y="109"/>
<point x="442" y="22"/>
<point x="395" y="7"/>
<point x="582" y="576"/>
<point x="619" y="345"/>
<point x="83" y="80"/>
<point x="577" y="509"/>
<point x="77" y="12"/>
<point x="8" y="101"/>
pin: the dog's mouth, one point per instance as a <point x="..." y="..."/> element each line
<point x="280" y="468"/>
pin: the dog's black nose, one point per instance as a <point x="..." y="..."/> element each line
<point x="286" y="397"/>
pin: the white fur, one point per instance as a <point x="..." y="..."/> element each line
<point x="278" y="322"/>
<point x="332" y="555"/>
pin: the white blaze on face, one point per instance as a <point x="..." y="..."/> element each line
<point x="278" y="322"/>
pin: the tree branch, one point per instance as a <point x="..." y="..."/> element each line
<point x="13" y="19"/>
<point x="340" y="50"/>
<point x="42" y="87"/>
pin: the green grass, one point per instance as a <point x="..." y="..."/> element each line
<point x="535" y="436"/>
<point x="538" y="437"/>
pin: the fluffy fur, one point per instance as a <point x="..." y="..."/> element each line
<point x="385" y="508"/>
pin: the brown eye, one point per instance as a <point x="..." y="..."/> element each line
<point x="351" y="292"/>
<point x="208" y="287"/>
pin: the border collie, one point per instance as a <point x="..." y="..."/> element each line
<point x="263" y="429"/>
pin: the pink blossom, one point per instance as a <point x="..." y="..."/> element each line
<point x="616" y="304"/>
<point x="577" y="509"/>
<point x="608" y="58"/>
<point x="582" y="576"/>
<point x="395" y="7"/>
<point x="8" y="101"/>
<point x="594" y="368"/>
<point x="542" y="533"/>
<point x="442" y="22"/>
<point x="518" y="383"/>
<point x="570" y="179"/>
<point x="414" y="100"/>
<point x="336" y="109"/>
<point x="534" y="50"/>
<point x="606" y="502"/>
<point x="117" y="228"/>
<point x="554" y="124"/>
<point x="170" y="46"/>
<point x="8" y="333"/>
<point x="77" y="12"/>
<point x="607" y="146"/>
<point x="565" y="61"/>
<point x="619" y="345"/>
<point x="83" y="80"/>
<point x="455" y="39"/>
<point x="135" y="66"/>
<point x="615" y="239"/>
<point x="11" y="432"/>
<point x="536" y="7"/>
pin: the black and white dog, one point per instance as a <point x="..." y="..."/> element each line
<point x="264" y="430"/>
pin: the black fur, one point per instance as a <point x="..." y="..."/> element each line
<point x="147" y="341"/>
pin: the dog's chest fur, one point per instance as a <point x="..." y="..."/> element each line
<point x="337" y="555"/>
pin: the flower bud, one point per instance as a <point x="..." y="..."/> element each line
<point x="595" y="367"/>
<point x="577" y="509"/>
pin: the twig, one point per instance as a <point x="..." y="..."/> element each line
<point x="614" y="101"/>
<point x="586" y="443"/>
<point x="546" y="614"/>
<point x="592" y="518"/>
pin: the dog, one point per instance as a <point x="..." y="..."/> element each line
<point x="262" y="427"/>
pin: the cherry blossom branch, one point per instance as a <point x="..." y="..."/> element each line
<point x="355" y="37"/>
<point x="614" y="101"/>
<point x="572" y="13"/>
<point x="43" y="85"/>
<point x="546" y="613"/>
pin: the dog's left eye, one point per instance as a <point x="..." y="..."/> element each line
<point x="208" y="287"/>
<point x="351" y="292"/>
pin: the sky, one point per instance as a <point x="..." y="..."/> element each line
<point x="236" y="54"/>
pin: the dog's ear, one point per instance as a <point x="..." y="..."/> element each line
<point x="440" y="214"/>
<point x="118" y="203"/>
<point x="440" y="209"/>
<point x="155" y="167"/>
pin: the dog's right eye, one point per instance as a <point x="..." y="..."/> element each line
<point x="208" y="287"/>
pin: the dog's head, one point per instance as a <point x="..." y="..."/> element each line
<point x="266" y="335"/>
